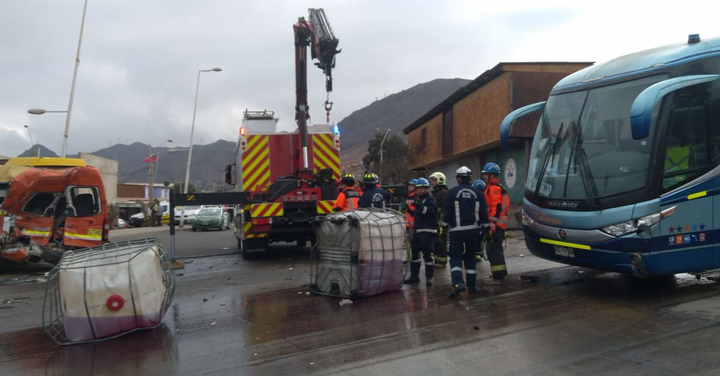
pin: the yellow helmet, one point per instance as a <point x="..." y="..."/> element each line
<point x="439" y="177"/>
<point x="348" y="179"/>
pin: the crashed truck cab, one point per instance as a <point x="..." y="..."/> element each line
<point x="283" y="196"/>
<point x="50" y="211"/>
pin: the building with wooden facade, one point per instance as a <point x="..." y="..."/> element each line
<point x="464" y="130"/>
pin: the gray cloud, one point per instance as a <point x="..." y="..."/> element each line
<point x="139" y="60"/>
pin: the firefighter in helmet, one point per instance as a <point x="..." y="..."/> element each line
<point x="498" y="203"/>
<point x="480" y="254"/>
<point x="439" y="192"/>
<point x="425" y="219"/>
<point x="465" y="215"/>
<point x="348" y="197"/>
<point x="373" y="195"/>
<point x="409" y="206"/>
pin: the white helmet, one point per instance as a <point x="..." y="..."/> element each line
<point x="463" y="172"/>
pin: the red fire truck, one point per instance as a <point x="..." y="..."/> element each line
<point x="284" y="196"/>
<point x="289" y="177"/>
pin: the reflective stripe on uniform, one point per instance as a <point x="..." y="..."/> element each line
<point x="416" y="260"/>
<point x="473" y="226"/>
<point x="457" y="213"/>
<point x="498" y="268"/>
<point x="456" y="269"/>
<point x="470" y="271"/>
<point x="431" y="231"/>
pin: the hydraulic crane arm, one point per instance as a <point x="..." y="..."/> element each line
<point x="318" y="34"/>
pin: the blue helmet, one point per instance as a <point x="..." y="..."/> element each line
<point x="422" y="182"/>
<point x="479" y="184"/>
<point x="413" y="182"/>
<point x="491" y="168"/>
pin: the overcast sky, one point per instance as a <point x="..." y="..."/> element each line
<point x="140" y="58"/>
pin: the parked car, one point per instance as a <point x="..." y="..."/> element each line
<point x="190" y="212"/>
<point x="138" y="220"/>
<point x="120" y="223"/>
<point x="211" y="218"/>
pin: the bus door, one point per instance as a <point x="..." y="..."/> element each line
<point x="687" y="158"/>
<point x="85" y="219"/>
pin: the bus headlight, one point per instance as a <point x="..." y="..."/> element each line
<point x="620" y="229"/>
<point x="526" y="219"/>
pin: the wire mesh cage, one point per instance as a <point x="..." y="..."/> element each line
<point x="107" y="291"/>
<point x="359" y="253"/>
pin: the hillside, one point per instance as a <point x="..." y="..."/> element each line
<point x="393" y="112"/>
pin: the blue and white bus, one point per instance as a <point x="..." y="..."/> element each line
<point x="624" y="169"/>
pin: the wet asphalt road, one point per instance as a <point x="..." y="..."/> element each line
<point x="257" y="317"/>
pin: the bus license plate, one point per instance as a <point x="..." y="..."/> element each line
<point x="564" y="251"/>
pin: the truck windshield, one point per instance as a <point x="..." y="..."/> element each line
<point x="583" y="147"/>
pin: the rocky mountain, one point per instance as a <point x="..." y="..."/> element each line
<point x="393" y="112"/>
<point x="206" y="170"/>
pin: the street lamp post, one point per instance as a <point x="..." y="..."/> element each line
<point x="72" y="87"/>
<point x="157" y="161"/>
<point x="192" y="132"/>
<point x="151" y="178"/>
<point x="32" y="144"/>
<point x="381" y="150"/>
<point x="39" y="111"/>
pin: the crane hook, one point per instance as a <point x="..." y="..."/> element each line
<point x="328" y="107"/>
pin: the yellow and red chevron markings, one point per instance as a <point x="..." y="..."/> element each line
<point x="256" y="164"/>
<point x="248" y="234"/>
<point x="325" y="207"/>
<point x="266" y="210"/>
<point x="324" y="153"/>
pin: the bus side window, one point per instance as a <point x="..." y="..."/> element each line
<point x="687" y="150"/>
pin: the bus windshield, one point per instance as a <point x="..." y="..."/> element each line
<point x="583" y="147"/>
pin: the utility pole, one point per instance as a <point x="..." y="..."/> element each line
<point x="150" y="186"/>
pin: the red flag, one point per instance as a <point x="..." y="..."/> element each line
<point x="151" y="158"/>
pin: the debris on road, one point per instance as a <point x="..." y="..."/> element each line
<point x="345" y="302"/>
<point x="19" y="280"/>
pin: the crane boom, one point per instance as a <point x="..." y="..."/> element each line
<point x="318" y="34"/>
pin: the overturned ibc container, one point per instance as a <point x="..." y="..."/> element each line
<point x="359" y="253"/>
<point x="106" y="291"/>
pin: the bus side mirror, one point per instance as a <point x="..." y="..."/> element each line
<point x="644" y="104"/>
<point x="507" y="123"/>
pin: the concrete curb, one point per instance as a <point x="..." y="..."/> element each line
<point x="139" y="231"/>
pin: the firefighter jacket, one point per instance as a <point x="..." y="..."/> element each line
<point x="439" y="194"/>
<point x="375" y="197"/>
<point x="426" y="214"/>
<point x="346" y="200"/>
<point x="465" y="208"/>
<point x="410" y="201"/>
<point x="498" y="203"/>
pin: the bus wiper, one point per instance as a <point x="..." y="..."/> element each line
<point x="585" y="172"/>
<point x="550" y="155"/>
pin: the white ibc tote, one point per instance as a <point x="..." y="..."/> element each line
<point x="359" y="253"/>
<point x="107" y="291"/>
